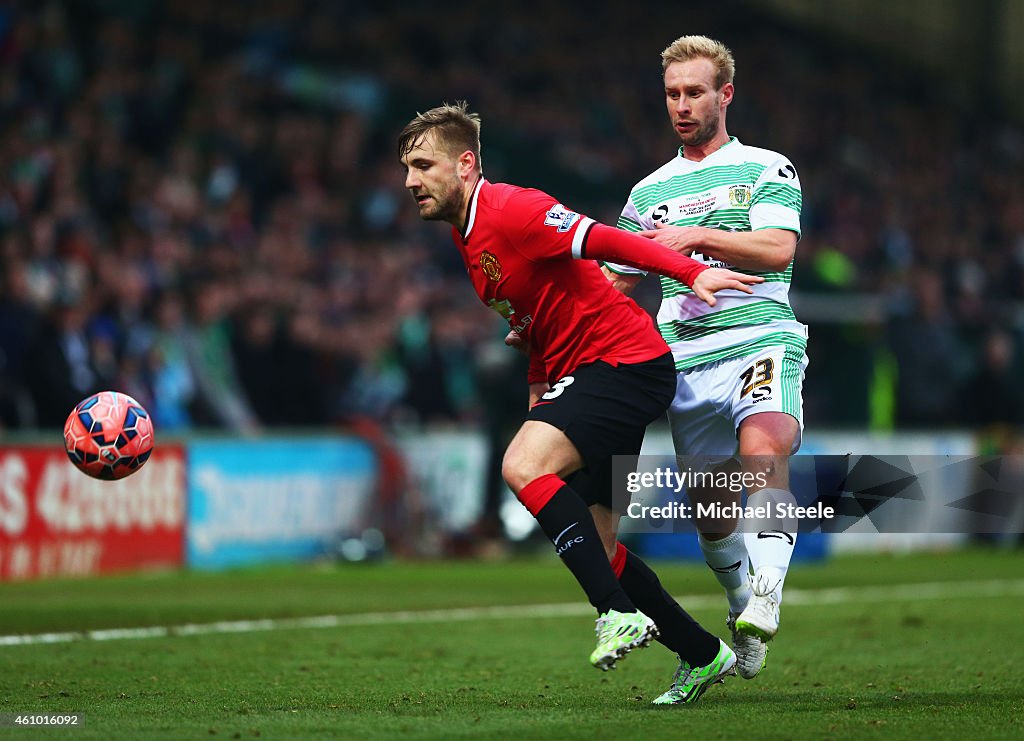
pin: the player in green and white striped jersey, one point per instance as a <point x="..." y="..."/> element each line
<point x="740" y="362"/>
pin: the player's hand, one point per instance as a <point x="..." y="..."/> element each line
<point x="538" y="390"/>
<point x="621" y="283"/>
<point x="712" y="280"/>
<point x="513" y="339"/>
<point x="682" y="239"/>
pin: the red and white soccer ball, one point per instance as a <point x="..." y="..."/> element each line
<point x="108" y="435"/>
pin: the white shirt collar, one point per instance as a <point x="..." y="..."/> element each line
<point x="472" y="207"/>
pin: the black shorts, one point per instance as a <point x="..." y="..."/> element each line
<point x="604" y="410"/>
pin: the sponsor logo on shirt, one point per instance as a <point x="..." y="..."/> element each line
<point x="504" y="307"/>
<point x="561" y="217"/>
<point x="520" y="325"/>
<point x="788" y="172"/>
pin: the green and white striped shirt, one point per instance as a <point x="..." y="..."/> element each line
<point x="739" y="189"/>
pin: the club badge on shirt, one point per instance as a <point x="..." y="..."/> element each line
<point x="490" y="265"/>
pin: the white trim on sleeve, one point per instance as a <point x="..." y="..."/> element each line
<point x="579" y="235"/>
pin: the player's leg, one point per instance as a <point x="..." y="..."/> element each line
<point x="702" y="435"/>
<point x="766" y="440"/>
<point x="595" y="412"/>
<point x="535" y="464"/>
<point x="704" y="432"/>
<point x="723" y="544"/>
<point x="678" y="631"/>
<point x="769" y="414"/>
<point x="703" y="658"/>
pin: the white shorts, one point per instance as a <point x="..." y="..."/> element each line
<point x="712" y="399"/>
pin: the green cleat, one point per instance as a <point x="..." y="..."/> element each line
<point x="618" y="633"/>
<point x="691" y="682"/>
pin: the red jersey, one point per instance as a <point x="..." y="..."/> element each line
<point x="522" y="250"/>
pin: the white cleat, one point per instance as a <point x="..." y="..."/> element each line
<point x="760" y="618"/>
<point x="751" y="652"/>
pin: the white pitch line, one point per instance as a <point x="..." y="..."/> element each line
<point x="794" y="598"/>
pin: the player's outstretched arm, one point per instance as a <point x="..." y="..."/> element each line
<point x="765" y="249"/>
<point x="603" y="242"/>
<point x="614" y="245"/>
<point x="720" y="279"/>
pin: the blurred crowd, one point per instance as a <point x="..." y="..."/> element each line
<point x="201" y="205"/>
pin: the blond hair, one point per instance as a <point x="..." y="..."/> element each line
<point x="457" y="130"/>
<point x="686" y="48"/>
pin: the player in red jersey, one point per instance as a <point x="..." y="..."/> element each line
<point x="599" y="373"/>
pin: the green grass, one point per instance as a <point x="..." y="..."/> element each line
<point x="899" y="668"/>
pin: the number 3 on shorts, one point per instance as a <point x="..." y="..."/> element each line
<point x="561" y="385"/>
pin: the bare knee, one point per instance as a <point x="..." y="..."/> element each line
<point x="536" y="450"/>
<point x="519" y="470"/>
<point x="768" y="434"/>
<point x="767" y="447"/>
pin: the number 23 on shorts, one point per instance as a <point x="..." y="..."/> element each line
<point x="759" y="374"/>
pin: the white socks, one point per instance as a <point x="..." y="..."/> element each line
<point x="770" y="541"/>
<point x="728" y="560"/>
<point x="767" y="549"/>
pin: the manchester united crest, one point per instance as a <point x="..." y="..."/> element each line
<point x="490" y="265"/>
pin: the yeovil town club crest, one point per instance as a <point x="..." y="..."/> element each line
<point x="490" y="265"/>
<point x="739" y="195"/>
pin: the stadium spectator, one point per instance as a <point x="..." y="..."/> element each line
<point x="60" y="368"/>
<point x="997" y="400"/>
<point x="929" y="356"/>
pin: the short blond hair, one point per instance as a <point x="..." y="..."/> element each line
<point x="456" y="127"/>
<point x="686" y="48"/>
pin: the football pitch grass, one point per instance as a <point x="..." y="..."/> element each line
<point x="917" y="646"/>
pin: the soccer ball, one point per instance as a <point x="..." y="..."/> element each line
<point x="108" y="435"/>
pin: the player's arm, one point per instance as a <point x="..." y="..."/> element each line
<point x="775" y="204"/>
<point x="622" y="277"/>
<point x="765" y="249"/>
<point x="600" y="242"/>
<point x="515" y="340"/>
<point x="536" y="376"/>
<point x="538" y="390"/>
<point x="541" y="229"/>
